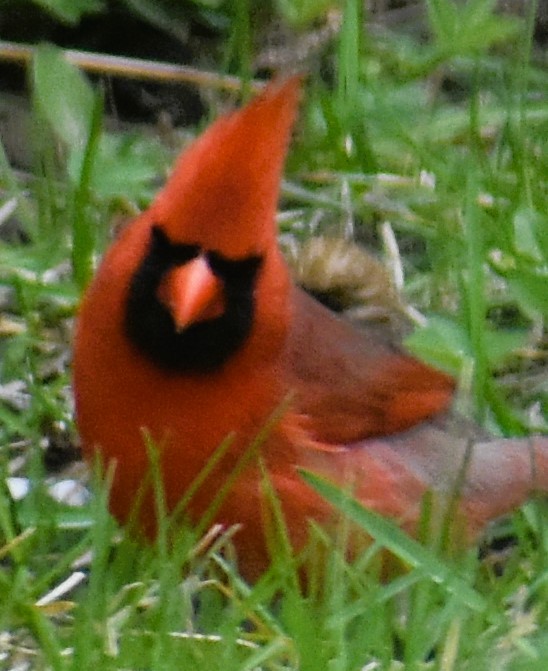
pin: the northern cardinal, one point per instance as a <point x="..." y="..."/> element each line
<point x="192" y="330"/>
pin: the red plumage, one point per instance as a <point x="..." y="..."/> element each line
<point x="192" y="330"/>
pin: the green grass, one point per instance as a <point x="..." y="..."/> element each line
<point x="442" y="138"/>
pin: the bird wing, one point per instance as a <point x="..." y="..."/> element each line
<point x="349" y="384"/>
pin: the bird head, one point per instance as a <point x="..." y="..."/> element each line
<point x="223" y="191"/>
<point x="212" y="236"/>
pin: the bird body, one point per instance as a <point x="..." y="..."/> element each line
<point x="193" y="330"/>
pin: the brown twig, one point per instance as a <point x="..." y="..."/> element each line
<point x="131" y="68"/>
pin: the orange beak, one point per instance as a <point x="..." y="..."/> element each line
<point x="192" y="293"/>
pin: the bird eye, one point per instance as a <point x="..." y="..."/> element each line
<point x="172" y="252"/>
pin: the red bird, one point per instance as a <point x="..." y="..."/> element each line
<point x="192" y="330"/>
